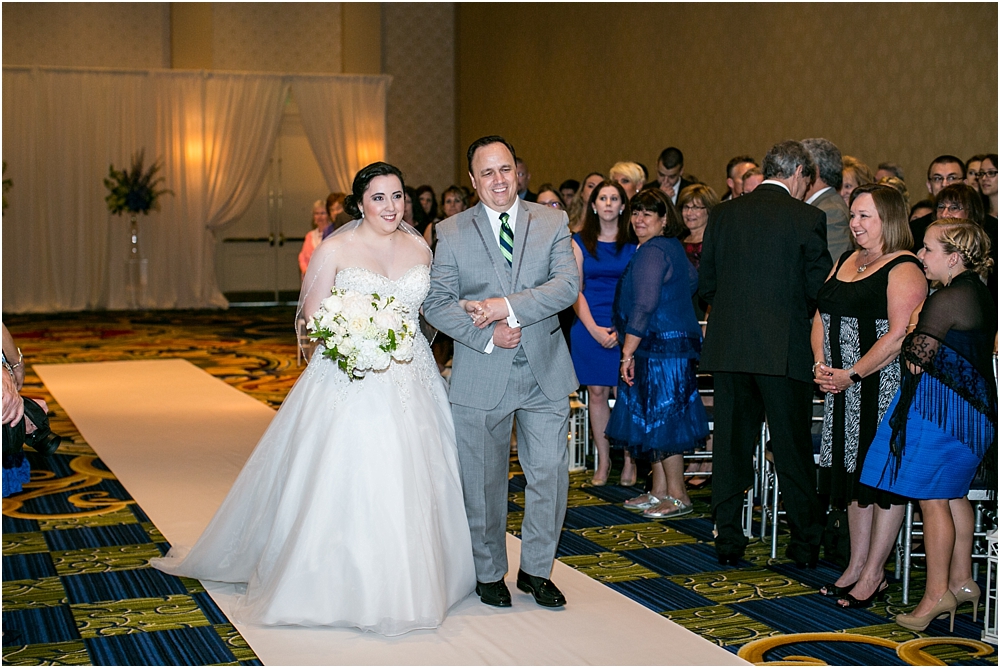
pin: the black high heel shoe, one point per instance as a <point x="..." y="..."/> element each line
<point x="850" y="602"/>
<point x="833" y="590"/>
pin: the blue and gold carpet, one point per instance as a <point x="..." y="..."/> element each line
<point x="77" y="588"/>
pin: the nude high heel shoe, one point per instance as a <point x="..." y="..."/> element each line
<point x="946" y="605"/>
<point x="969" y="592"/>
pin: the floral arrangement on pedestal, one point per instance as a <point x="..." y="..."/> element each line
<point x="135" y="191"/>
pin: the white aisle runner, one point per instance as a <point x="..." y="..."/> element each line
<point x="176" y="438"/>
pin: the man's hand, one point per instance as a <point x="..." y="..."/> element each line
<point x="13" y="404"/>
<point x="487" y="311"/>
<point x="506" y="337"/>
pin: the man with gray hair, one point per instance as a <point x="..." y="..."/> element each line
<point x="824" y="194"/>
<point x="763" y="261"/>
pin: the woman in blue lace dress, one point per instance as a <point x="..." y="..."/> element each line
<point x="602" y="250"/>
<point x="658" y="414"/>
<point x="943" y="420"/>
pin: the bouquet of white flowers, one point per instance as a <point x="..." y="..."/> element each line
<point x="363" y="332"/>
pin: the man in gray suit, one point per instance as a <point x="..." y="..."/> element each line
<point x="502" y="272"/>
<point x="824" y="194"/>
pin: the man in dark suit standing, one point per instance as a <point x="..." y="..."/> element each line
<point x="763" y="261"/>
<point x="670" y="172"/>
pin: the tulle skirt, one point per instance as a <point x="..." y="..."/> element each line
<point x="350" y="510"/>
<point x="661" y="414"/>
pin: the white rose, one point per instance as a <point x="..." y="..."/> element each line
<point x="404" y="350"/>
<point x="358" y="305"/>
<point x="334" y="304"/>
<point x="358" y="325"/>
<point x="380" y="360"/>
<point x="388" y="319"/>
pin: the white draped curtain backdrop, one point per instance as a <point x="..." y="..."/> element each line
<point x="213" y="132"/>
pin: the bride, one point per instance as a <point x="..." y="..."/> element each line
<point x="349" y="512"/>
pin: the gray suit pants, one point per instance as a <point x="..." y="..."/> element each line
<point x="484" y="454"/>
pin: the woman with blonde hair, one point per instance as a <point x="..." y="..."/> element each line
<point x="942" y="423"/>
<point x="629" y="175"/>
<point x="577" y="207"/>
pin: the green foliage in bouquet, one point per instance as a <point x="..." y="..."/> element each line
<point x="135" y="191"/>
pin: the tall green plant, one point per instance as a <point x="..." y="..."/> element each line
<point x="135" y="191"/>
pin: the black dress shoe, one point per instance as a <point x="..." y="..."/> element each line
<point x="494" y="593"/>
<point x="804" y="557"/>
<point x="729" y="558"/>
<point x="544" y="591"/>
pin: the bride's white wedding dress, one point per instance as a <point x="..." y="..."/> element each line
<point x="349" y="512"/>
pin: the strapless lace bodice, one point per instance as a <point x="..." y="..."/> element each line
<point x="410" y="288"/>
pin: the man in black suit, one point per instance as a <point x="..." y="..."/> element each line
<point x="523" y="179"/>
<point x="670" y="172"/>
<point x="763" y="261"/>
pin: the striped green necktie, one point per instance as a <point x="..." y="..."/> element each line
<point x="506" y="239"/>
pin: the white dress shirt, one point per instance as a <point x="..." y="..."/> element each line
<point x="777" y="183"/>
<point x="816" y="194"/>
<point x="495" y="224"/>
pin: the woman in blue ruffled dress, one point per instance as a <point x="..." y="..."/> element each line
<point x="943" y="420"/>
<point x="602" y="249"/>
<point x="658" y="414"/>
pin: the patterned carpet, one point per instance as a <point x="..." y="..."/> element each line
<point x="77" y="589"/>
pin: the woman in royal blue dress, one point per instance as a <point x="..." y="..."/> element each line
<point x="943" y="420"/>
<point x="602" y="249"/>
<point x="658" y="414"/>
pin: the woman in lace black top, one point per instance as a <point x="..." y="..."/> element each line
<point x="943" y="420"/>
<point x="863" y="309"/>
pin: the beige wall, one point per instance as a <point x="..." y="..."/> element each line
<point x="576" y="87"/>
<point x="418" y="45"/>
<point x="276" y="37"/>
<point x="87" y="34"/>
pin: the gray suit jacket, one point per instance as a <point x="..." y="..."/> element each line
<point x="542" y="281"/>
<point x="838" y="216"/>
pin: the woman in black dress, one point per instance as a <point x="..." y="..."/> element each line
<point x="863" y="311"/>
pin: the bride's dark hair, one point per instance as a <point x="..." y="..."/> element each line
<point x="352" y="203"/>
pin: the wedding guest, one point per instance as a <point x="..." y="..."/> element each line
<point x="413" y="213"/>
<point x="335" y="209"/>
<point x="568" y="190"/>
<point x="886" y="169"/>
<point x="320" y="230"/>
<point x="897" y="184"/>
<point x="751" y="179"/>
<point x="602" y="250"/>
<point x="454" y="200"/>
<point x="960" y="201"/>
<point x="988" y="182"/>
<point x="547" y="195"/>
<point x="824" y="193"/>
<point x="523" y="181"/>
<point x="767" y="374"/>
<point x="629" y="175"/>
<point x="735" y="170"/>
<point x="577" y="208"/>
<point x="856" y="173"/>
<point x="696" y="202"/>
<point x="972" y="168"/>
<point x="863" y="309"/>
<point x="658" y="414"/>
<point x="670" y="173"/>
<point x="943" y="420"/>
<point x="924" y="207"/>
<point x="428" y="202"/>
